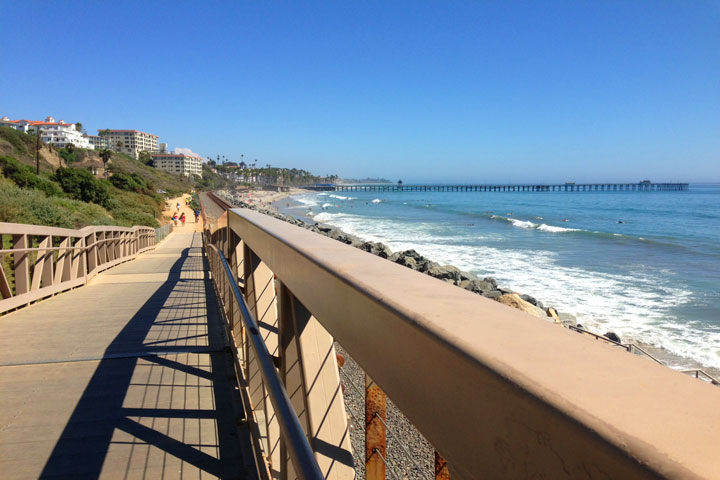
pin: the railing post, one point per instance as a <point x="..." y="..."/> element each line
<point x="309" y="370"/>
<point x="79" y="265"/>
<point x="101" y="248"/>
<point x="375" y="434"/>
<point x="261" y="300"/>
<point x="21" y="261"/>
<point x="92" y="253"/>
<point x="63" y="267"/>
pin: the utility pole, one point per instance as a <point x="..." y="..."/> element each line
<point x="37" y="151"/>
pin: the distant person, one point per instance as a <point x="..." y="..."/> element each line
<point x="178" y="206"/>
<point x="197" y="214"/>
<point x="175" y="219"/>
<point x="182" y="219"/>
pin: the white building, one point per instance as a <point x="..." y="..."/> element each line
<point x="130" y="142"/>
<point x="178" y="163"/>
<point x="21" y="125"/>
<point x="59" y="134"/>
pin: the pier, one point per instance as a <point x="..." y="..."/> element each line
<point x="562" y="187"/>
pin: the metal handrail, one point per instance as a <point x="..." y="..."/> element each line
<point x="698" y="373"/>
<point x="627" y="346"/>
<point x="296" y="442"/>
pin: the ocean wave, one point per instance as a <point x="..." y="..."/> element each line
<point x="327" y="205"/>
<point x="325" y="217"/>
<point x="543" y="227"/>
<point x="339" y="197"/>
<point x="310" y="200"/>
<point x="377" y="200"/>
<point x="522" y="223"/>
<point x="553" y="229"/>
<point x="637" y="304"/>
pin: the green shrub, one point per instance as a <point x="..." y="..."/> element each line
<point x="68" y="156"/>
<point x="21" y="142"/>
<point x="132" y="182"/>
<point x="35" y="208"/>
<point x="82" y="185"/>
<point x="24" y="176"/>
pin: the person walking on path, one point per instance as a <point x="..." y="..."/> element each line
<point x="182" y="218"/>
<point x="197" y="214"/>
<point x="178" y="206"/>
<point x="175" y="219"/>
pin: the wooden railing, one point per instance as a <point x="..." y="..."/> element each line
<point x="498" y="393"/>
<point x="37" y="261"/>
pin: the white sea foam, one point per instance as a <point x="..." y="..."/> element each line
<point x="327" y="205"/>
<point x="636" y="304"/>
<point x="377" y="200"/>
<point x="324" y="217"/>
<point x="339" y="197"/>
<point x="554" y="229"/>
<point x="309" y="200"/>
<point x="522" y="223"/>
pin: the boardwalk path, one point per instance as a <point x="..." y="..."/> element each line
<point x="124" y="378"/>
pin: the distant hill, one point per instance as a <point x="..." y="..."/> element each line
<point x="365" y="180"/>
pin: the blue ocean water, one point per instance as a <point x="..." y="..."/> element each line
<point x="645" y="265"/>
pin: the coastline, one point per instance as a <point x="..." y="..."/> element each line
<point x="282" y="206"/>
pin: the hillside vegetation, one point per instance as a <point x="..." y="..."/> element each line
<point x="66" y="193"/>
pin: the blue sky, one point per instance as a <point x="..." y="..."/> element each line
<point x="423" y="91"/>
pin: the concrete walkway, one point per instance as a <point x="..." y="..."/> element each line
<point x="124" y="378"/>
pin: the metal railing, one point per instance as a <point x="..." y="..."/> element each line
<point x="38" y="261"/>
<point x="498" y="393"/>
<point x="162" y="232"/>
<point x="251" y="343"/>
<point x="637" y="350"/>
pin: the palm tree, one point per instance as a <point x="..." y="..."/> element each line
<point x="105" y="154"/>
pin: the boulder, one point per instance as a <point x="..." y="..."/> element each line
<point x="613" y="336"/>
<point x="491" y="281"/>
<point x="514" y="300"/>
<point x="376" y="248"/>
<point x="552" y="313"/>
<point x="425" y="265"/>
<point x="383" y="251"/>
<point x="468" y="276"/>
<point x="407" y="262"/>
<point x="466" y="284"/>
<point x="446" y="272"/>
<point x="481" y="286"/>
<point x="492" y="294"/>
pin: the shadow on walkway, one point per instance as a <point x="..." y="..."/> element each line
<point x="165" y="406"/>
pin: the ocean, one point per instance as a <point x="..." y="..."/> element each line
<point x="645" y="265"/>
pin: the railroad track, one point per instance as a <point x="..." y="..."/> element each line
<point x="219" y="201"/>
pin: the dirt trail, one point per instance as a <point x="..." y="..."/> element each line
<point x="190" y="225"/>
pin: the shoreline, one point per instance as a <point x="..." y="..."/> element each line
<point x="486" y="286"/>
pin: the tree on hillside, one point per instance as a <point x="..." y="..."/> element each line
<point x="119" y="146"/>
<point x="105" y="154"/>
<point x="146" y="158"/>
<point x="79" y="126"/>
<point x="82" y="185"/>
